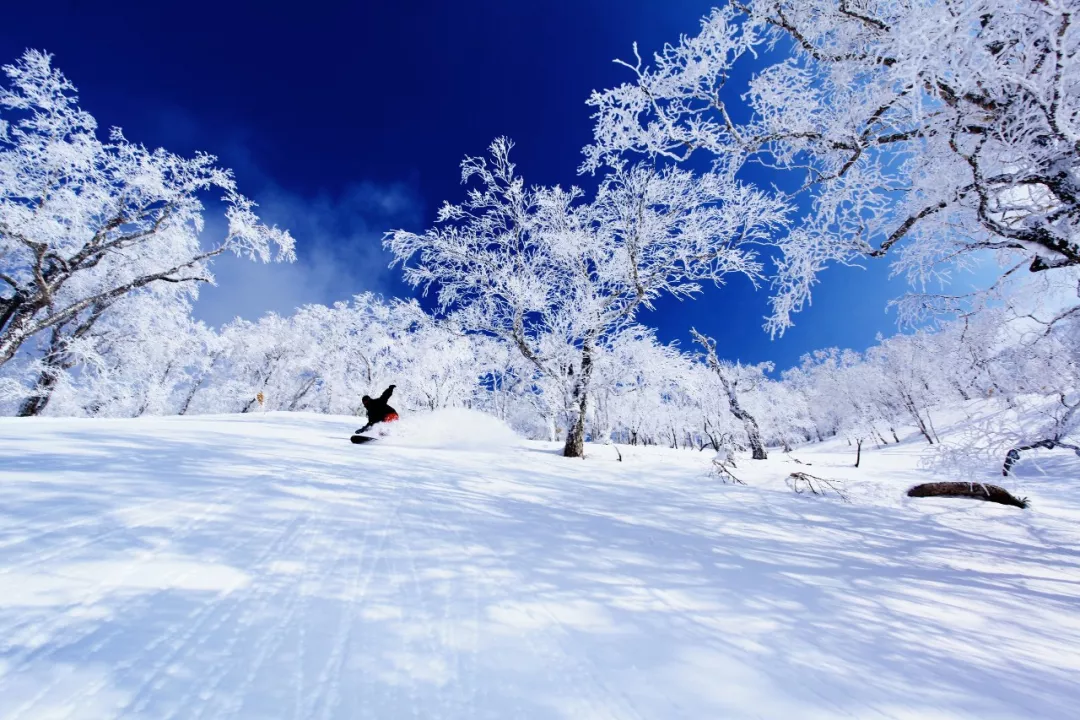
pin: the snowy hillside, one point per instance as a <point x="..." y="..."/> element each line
<point x="263" y="567"/>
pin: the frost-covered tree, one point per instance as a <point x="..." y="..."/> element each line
<point x="141" y="357"/>
<point x="325" y="358"/>
<point x="737" y="378"/>
<point x="535" y="265"/>
<point x="1025" y="355"/>
<point x="641" y="390"/>
<point x="444" y="365"/>
<point x="841" y="395"/>
<point x="707" y="402"/>
<point x="782" y="412"/>
<point x="928" y="131"/>
<point x="905" y="375"/>
<point x="85" y="222"/>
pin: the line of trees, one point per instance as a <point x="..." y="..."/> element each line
<point x="148" y="356"/>
<point x="934" y="134"/>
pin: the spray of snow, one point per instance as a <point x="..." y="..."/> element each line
<point x="452" y="428"/>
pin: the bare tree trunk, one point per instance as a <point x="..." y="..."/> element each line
<point x="753" y="433"/>
<point x="932" y="428"/>
<point x="255" y="400"/>
<point x="146" y="400"/>
<point x="271" y="364"/>
<point x="858" y="452"/>
<point x="304" y="391"/>
<point x="14" y="334"/>
<point x="1013" y="456"/>
<point x="922" y="429"/>
<point x="55" y="363"/>
<point x="917" y="417"/>
<point x="199" y="383"/>
<point x="750" y="425"/>
<point x="712" y="439"/>
<point x="191" y="394"/>
<point x="21" y="319"/>
<point x="575" y="438"/>
<point x="43" y="389"/>
<point x="11" y="306"/>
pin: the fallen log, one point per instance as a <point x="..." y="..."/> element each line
<point x="978" y="491"/>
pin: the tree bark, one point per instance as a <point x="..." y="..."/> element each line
<point x="963" y="393"/>
<point x="55" y="364"/>
<point x="909" y="403"/>
<point x="304" y="391"/>
<point x="930" y="421"/>
<point x="199" y="383"/>
<point x="575" y="438"/>
<point x="191" y="395"/>
<point x="43" y="389"/>
<point x="1013" y="456"/>
<point x="13" y="335"/>
<point x="23" y="321"/>
<point x="979" y="491"/>
<point x="10" y="308"/>
<point x="753" y="433"/>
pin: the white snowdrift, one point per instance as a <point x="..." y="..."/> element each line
<point x="451" y="429"/>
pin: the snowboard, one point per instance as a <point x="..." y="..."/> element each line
<point x="361" y="439"/>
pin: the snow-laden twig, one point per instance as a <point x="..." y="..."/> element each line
<point x="800" y="482"/>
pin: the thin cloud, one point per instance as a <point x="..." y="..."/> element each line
<point x="339" y="252"/>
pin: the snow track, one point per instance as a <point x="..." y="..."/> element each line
<point x="263" y="567"/>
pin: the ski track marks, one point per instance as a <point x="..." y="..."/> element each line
<point x="570" y="667"/>
<point x="266" y="568"/>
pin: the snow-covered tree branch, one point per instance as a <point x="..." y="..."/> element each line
<point x="525" y="264"/>
<point x="930" y="132"/>
<point x="86" y="222"/>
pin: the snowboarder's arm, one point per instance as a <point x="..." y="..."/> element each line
<point x="387" y="393"/>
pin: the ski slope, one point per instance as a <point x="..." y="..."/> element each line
<point x="264" y="567"/>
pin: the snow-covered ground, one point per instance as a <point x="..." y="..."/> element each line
<point x="263" y="567"/>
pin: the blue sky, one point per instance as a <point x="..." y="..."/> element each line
<point x="344" y="120"/>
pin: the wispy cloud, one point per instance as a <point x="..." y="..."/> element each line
<point x="338" y="232"/>
<point x="339" y="252"/>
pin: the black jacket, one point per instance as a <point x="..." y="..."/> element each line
<point x="377" y="409"/>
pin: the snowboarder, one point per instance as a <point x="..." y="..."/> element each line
<point x="377" y="409"/>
